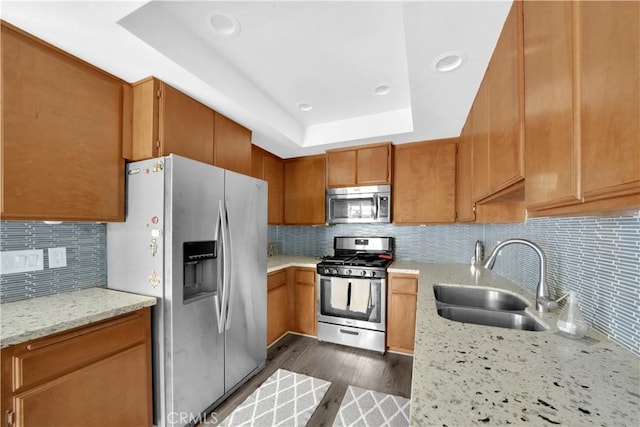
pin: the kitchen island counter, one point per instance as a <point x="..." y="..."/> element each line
<point x="466" y="374"/>
<point x="37" y="317"/>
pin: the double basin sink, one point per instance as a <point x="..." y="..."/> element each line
<point x="483" y="306"/>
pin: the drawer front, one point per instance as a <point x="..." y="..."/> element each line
<point x="46" y="358"/>
<point x="306" y="276"/>
<point x="276" y="279"/>
<point x="404" y="284"/>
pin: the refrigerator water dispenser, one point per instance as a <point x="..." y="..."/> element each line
<point x="199" y="269"/>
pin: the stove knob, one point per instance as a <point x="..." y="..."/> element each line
<point x="363" y="273"/>
<point x="373" y="274"/>
<point x="335" y="271"/>
<point x="348" y="272"/>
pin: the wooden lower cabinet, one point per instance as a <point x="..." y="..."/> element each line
<point x="402" y="298"/>
<point x="98" y="375"/>
<point x="305" y="301"/>
<point x="291" y="302"/>
<point x="278" y="312"/>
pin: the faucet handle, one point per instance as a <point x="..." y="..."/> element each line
<point x="544" y="304"/>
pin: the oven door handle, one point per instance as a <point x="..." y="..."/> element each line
<point x="348" y="332"/>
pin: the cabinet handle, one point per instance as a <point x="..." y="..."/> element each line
<point x="9" y="417"/>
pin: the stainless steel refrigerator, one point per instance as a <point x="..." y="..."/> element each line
<point x="195" y="238"/>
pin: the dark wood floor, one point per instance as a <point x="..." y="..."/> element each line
<point x="343" y="366"/>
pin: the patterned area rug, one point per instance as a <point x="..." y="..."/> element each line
<point x="369" y="408"/>
<point x="284" y="399"/>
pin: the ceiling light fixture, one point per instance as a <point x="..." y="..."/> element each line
<point x="448" y="61"/>
<point x="224" y="24"/>
<point x="382" y="90"/>
<point x="305" y="106"/>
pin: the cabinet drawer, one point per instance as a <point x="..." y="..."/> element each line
<point x="276" y="279"/>
<point x="306" y="276"/>
<point x="404" y="284"/>
<point x="43" y="359"/>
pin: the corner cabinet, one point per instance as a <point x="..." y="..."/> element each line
<point x="99" y="374"/>
<point x="304" y="190"/>
<point x="424" y="185"/>
<point x="582" y="112"/>
<point x="62" y="134"/>
<point x="402" y="303"/>
<point x="363" y="165"/>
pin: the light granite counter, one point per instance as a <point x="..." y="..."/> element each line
<point x="465" y="374"/>
<point x="25" y="320"/>
<point x="278" y="262"/>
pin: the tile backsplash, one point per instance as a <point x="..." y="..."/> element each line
<point x="597" y="257"/>
<point x="86" y="258"/>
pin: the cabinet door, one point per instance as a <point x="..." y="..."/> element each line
<point x="341" y="168"/>
<point x="464" y="202"/>
<point x="609" y="77"/>
<point x="304" y="190"/>
<point x="61" y="144"/>
<point x="425" y="182"/>
<point x="374" y="165"/>
<point x="257" y="162"/>
<point x="232" y="145"/>
<point x="401" y="318"/>
<point x="186" y="126"/>
<point x="274" y="175"/>
<point x="506" y="163"/>
<point x="277" y="305"/>
<point x="480" y="141"/>
<point x="305" y="301"/>
<point x="552" y="148"/>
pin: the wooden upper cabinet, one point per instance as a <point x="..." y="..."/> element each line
<point x="166" y="121"/>
<point x="609" y="82"/>
<point x="232" y="145"/>
<point x="582" y="112"/>
<point x="464" y="202"/>
<point x="552" y="148"/>
<point x="480" y="143"/>
<point x="269" y="167"/>
<point x="62" y="133"/>
<point x="506" y="139"/>
<point x="304" y="190"/>
<point x="364" y="165"/>
<point x="425" y="182"/>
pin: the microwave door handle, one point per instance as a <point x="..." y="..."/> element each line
<point x="376" y="204"/>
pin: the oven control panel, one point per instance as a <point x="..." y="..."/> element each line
<point x="349" y="271"/>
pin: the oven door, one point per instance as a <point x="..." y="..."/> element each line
<point x="337" y="302"/>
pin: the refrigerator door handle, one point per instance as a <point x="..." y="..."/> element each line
<point x="219" y="296"/>
<point x="228" y="284"/>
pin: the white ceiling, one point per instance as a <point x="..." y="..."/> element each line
<point x="331" y="55"/>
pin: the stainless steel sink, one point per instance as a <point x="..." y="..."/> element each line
<point x="478" y="297"/>
<point x="501" y="319"/>
<point x="483" y="306"/>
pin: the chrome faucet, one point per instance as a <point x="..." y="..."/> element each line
<point x="543" y="302"/>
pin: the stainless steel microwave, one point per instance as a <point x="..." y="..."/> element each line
<point x="358" y="204"/>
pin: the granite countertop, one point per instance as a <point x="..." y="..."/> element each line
<point x="465" y="374"/>
<point x="29" y="319"/>
<point x="278" y="262"/>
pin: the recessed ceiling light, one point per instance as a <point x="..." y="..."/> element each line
<point x="382" y="90"/>
<point x="305" y="106"/>
<point x="224" y="24"/>
<point x="448" y="61"/>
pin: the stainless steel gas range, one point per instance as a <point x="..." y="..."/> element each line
<point x="352" y="292"/>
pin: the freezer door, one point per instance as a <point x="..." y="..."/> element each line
<point x="246" y="203"/>
<point x="194" y="349"/>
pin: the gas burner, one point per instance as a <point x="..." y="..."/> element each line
<point x="358" y="257"/>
